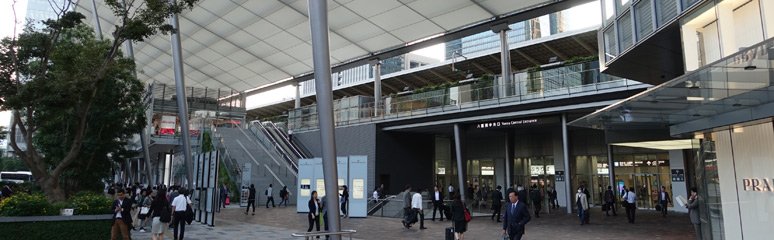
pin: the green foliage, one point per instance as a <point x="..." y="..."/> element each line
<point x="223" y="178"/>
<point x="12" y="164"/>
<point x="23" y="204"/>
<point x="84" y="203"/>
<point x="75" y="230"/>
<point x="579" y="59"/>
<point x="206" y="141"/>
<point x="90" y="203"/>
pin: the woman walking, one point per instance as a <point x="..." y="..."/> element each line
<point x="314" y="212"/>
<point x="458" y="216"/>
<point x="161" y="214"/>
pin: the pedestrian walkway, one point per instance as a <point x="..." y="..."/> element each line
<point x="279" y="223"/>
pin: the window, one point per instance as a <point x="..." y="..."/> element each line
<point x="611" y="45"/>
<point x="644" y="19"/>
<point x="665" y="10"/>
<point x="625" y="30"/>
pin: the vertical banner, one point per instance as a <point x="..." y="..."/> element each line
<point x="246" y="178"/>
<point x="358" y="186"/>
<point x="307" y="177"/>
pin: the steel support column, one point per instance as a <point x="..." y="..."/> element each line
<point x="566" y="157"/>
<point x="182" y="104"/>
<point x="318" y="21"/>
<point x="611" y="168"/>
<point x="508" y="158"/>
<point x="505" y="60"/>
<point x="95" y="14"/>
<point x="145" y="135"/>
<point x="298" y="95"/>
<point x="377" y="86"/>
<point x="460" y="166"/>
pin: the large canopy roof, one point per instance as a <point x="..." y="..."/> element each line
<point x="245" y="44"/>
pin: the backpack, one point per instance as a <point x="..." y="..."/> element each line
<point x="166" y="215"/>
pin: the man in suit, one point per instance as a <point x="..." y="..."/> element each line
<point x="122" y="217"/>
<point x="693" y="211"/>
<point x="515" y="218"/>
<point x="438" y="202"/>
<point x="497" y="198"/>
<point x="664" y="200"/>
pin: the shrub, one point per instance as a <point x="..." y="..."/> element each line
<point x="90" y="203"/>
<point x="23" y="204"/>
<point x="60" y="230"/>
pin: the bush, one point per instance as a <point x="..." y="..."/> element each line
<point x="23" y="204"/>
<point x="89" y="203"/>
<point x="99" y="229"/>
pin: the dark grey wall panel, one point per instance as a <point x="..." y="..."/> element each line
<point x="350" y="140"/>
<point x="404" y="158"/>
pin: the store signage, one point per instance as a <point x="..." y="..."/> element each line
<point x="749" y="55"/>
<point x="168" y="124"/>
<point x="678" y="175"/>
<point x="758" y="184"/>
<point x="516" y="122"/>
<point x="559" y="176"/>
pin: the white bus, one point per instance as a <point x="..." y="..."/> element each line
<point x="16" y="177"/>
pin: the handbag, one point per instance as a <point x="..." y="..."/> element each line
<point x="467" y="215"/>
<point x="189" y="215"/>
<point x="228" y="201"/>
<point x="166" y="215"/>
<point x="144" y="210"/>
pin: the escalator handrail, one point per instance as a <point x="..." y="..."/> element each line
<point x="280" y="151"/>
<point x="290" y="143"/>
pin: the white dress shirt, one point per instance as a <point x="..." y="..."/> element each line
<point x="631" y="197"/>
<point x="437" y="196"/>
<point x="120" y="203"/>
<point x="416" y="201"/>
<point x="179" y="203"/>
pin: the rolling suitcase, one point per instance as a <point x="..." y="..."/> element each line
<point x="449" y="233"/>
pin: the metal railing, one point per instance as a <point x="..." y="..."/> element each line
<point x="310" y="235"/>
<point x="294" y="147"/>
<point x="261" y="133"/>
<point x="232" y="168"/>
<point x="534" y="86"/>
<point x="379" y="204"/>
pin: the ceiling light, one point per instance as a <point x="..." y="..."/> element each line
<point x="694" y="98"/>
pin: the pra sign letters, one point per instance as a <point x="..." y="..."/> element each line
<point x="758" y="184"/>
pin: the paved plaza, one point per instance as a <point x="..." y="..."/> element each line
<point x="279" y="223"/>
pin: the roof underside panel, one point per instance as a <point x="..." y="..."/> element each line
<point x="243" y="44"/>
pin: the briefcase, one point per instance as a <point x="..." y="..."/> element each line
<point x="449" y="233"/>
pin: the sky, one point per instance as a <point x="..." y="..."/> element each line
<point x="7" y="30"/>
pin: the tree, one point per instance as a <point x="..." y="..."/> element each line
<point x="74" y="97"/>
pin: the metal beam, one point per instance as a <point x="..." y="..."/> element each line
<point x="447" y="79"/>
<point x="377" y="68"/>
<point x="482" y="68"/>
<point x="318" y="21"/>
<point x="566" y="158"/>
<point x="554" y="51"/>
<point x="589" y="48"/>
<point x="182" y="104"/>
<point x="526" y="57"/>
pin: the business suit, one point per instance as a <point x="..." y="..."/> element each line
<point x="515" y="218"/>
<point x="438" y="204"/>
<point x="121" y="225"/>
<point x="497" y="198"/>
<point x="663" y="199"/>
<point x="693" y="212"/>
<point x="314" y="214"/>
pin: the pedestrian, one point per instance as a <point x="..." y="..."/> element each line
<point x="609" y="201"/>
<point x="552" y="197"/>
<point x="516" y="217"/>
<point x="160" y="213"/>
<point x="251" y="199"/>
<point x="290" y="135"/>
<point x="314" y="212"/>
<point x="438" y="202"/>
<point x="522" y="193"/>
<point x="269" y="196"/>
<point x="324" y="214"/>
<point x="376" y="195"/>
<point x="497" y="198"/>
<point x="145" y="209"/>
<point x="179" y="204"/>
<point x="664" y="201"/>
<point x="285" y="196"/>
<point x="470" y="191"/>
<point x="582" y="202"/>
<point x="537" y="200"/>
<point x="451" y="191"/>
<point x="344" y="200"/>
<point x="223" y="195"/>
<point x="693" y="212"/>
<point x="631" y="204"/>
<point x="407" y="213"/>
<point x="122" y="217"/>
<point x="458" y="217"/>
<point x="416" y="206"/>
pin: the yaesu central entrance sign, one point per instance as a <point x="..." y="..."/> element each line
<point x="758" y="184"/>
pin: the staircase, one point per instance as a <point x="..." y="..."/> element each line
<point x="241" y="146"/>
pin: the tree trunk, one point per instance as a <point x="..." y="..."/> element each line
<point x="54" y="192"/>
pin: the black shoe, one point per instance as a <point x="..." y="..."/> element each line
<point x="253" y="214"/>
<point x="499" y="221"/>
<point x="422" y="228"/>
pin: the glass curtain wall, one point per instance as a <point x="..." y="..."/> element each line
<point x="646" y="171"/>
